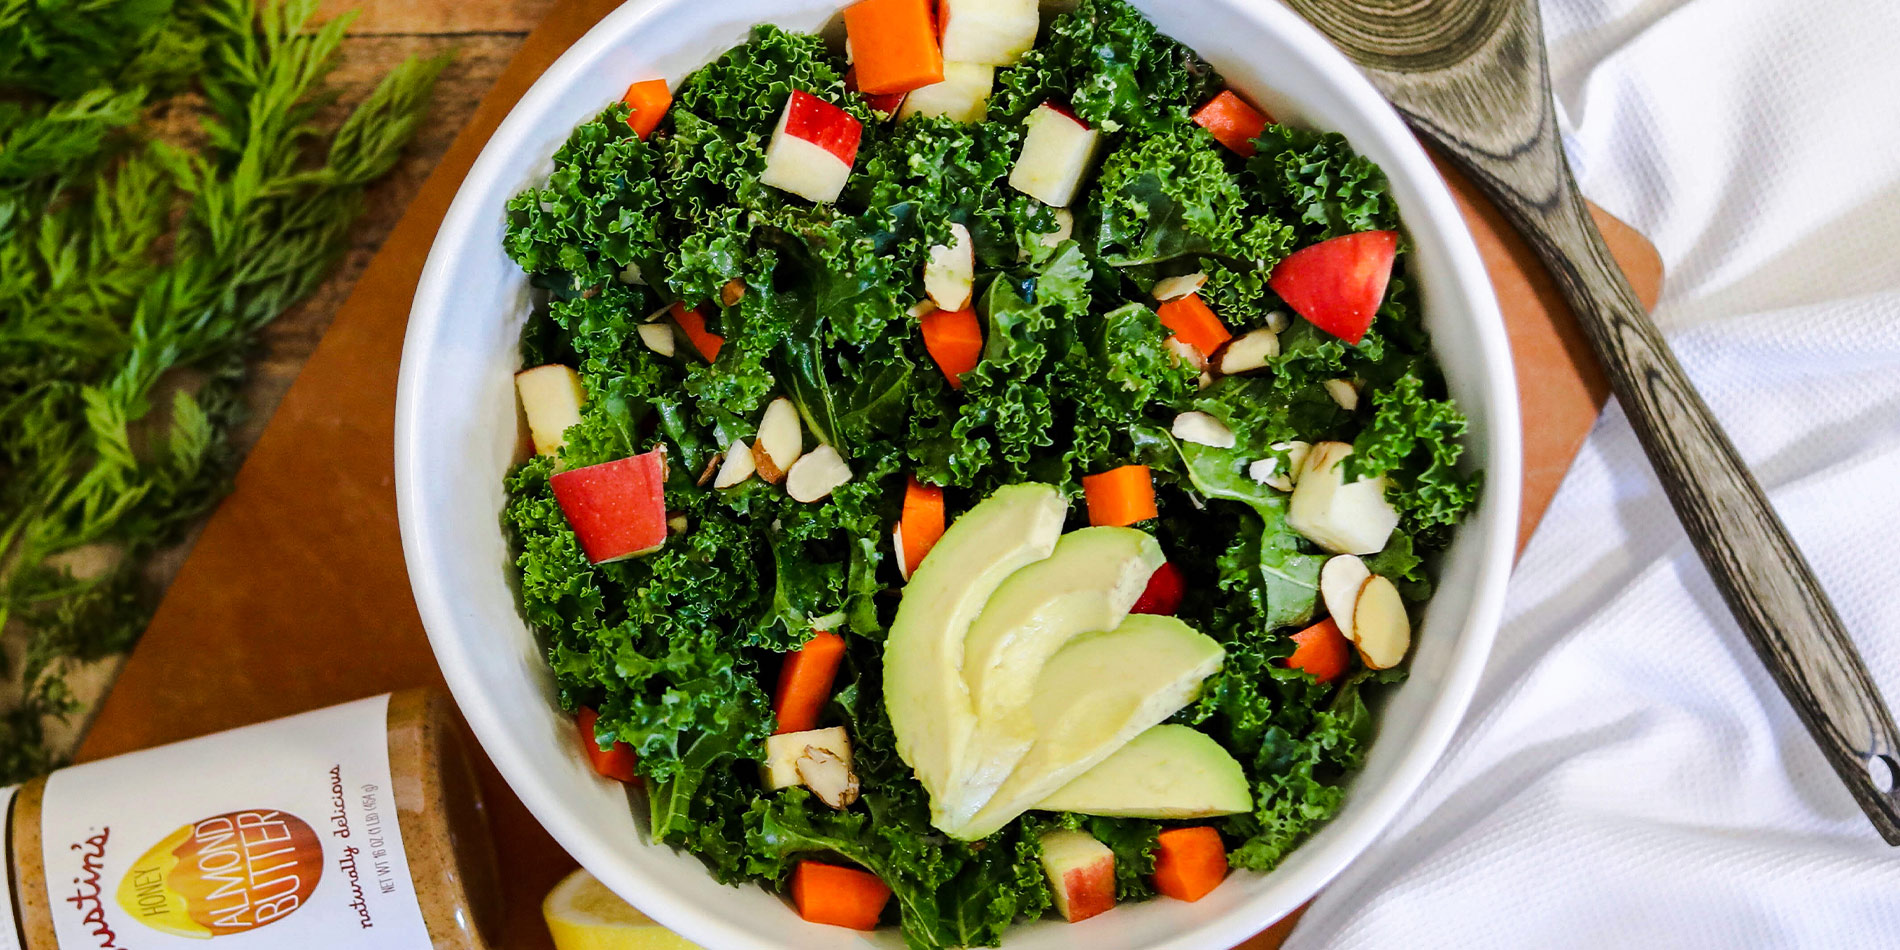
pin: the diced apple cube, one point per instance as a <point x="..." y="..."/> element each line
<point x="783" y="751"/>
<point x="950" y="270"/>
<point x="812" y="148"/>
<point x="551" y="398"/>
<point x="1057" y="150"/>
<point x="1081" y="873"/>
<point x="617" y="509"/>
<point x="995" y="32"/>
<point x="964" y="94"/>
<point x="1340" y="517"/>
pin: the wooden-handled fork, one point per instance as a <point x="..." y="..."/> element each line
<point x="1471" y="76"/>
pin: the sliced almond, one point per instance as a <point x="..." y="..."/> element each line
<point x="732" y="292"/>
<point x="1170" y="288"/>
<point x="1296" y="455"/>
<point x="828" y="777"/>
<point x="782" y="752"/>
<point x="897" y="550"/>
<point x="1340" y="580"/>
<point x="815" y="474"/>
<point x="1206" y="380"/>
<point x="921" y="309"/>
<point x="658" y="337"/>
<point x="737" y="467"/>
<point x="950" y="270"/>
<point x="781" y="440"/>
<point x="1379" y="625"/>
<point x="712" y="468"/>
<point x="1267" y="472"/>
<point x="1249" y="351"/>
<point x="1278" y="321"/>
<point x="1344" y="392"/>
<point x="1185" y="352"/>
<point x="1203" y="429"/>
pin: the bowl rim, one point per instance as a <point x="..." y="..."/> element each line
<point x="1373" y="808"/>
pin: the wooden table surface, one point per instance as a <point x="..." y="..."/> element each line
<point x="295" y="594"/>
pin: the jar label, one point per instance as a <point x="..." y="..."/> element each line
<point x="286" y="827"/>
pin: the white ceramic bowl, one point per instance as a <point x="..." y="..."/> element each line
<point x="456" y="435"/>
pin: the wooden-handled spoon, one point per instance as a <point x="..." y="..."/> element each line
<point x="1471" y="76"/>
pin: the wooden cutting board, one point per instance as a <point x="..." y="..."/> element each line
<point x="295" y="596"/>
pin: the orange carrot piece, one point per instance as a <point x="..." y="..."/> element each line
<point x="1120" y="497"/>
<point x="694" y="323"/>
<point x="954" y="340"/>
<point x="649" y="100"/>
<point x="1189" y="862"/>
<point x="842" y="897"/>
<point x="615" y="763"/>
<point x="804" y="682"/>
<point x="922" y="521"/>
<point x="893" y="45"/>
<point x="1322" y="651"/>
<point x="1233" y="122"/>
<point x="1196" y="325"/>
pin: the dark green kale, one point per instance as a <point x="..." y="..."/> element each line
<point x="814" y="303"/>
<point x="1111" y="67"/>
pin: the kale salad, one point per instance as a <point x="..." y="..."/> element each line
<point x="981" y="460"/>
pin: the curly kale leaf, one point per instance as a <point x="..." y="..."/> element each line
<point x="1113" y="68"/>
<point x="746" y="88"/>
<point x="1136" y="368"/>
<point x="1413" y="440"/>
<point x="599" y="212"/>
<point x="1006" y="419"/>
<point x="1169" y="195"/>
<point x="1319" y="183"/>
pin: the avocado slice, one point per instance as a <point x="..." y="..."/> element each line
<point x="1086" y="585"/>
<point x="1170" y="771"/>
<point x="1094" y="695"/>
<point x="924" y="692"/>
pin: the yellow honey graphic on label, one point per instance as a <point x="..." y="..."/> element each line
<point x="225" y="874"/>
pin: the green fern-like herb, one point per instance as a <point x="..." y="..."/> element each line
<point x="134" y="275"/>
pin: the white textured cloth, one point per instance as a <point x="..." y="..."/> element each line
<point x="1628" y="775"/>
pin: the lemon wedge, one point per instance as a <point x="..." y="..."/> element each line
<point x="582" y="914"/>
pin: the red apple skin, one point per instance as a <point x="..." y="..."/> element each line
<point x="1063" y="110"/>
<point x="1090" y="889"/>
<point x="1338" y="284"/>
<point x="618" y="508"/>
<point x="886" y="102"/>
<point x="1164" y="592"/>
<point x="823" y="124"/>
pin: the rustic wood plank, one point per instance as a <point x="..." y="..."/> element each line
<point x="440" y="17"/>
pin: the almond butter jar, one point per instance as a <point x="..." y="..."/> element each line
<point x="356" y="826"/>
